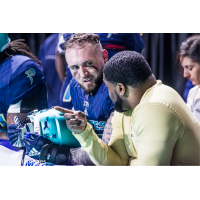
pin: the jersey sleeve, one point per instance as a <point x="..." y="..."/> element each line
<point x="157" y="129"/>
<point x="26" y="81"/>
<point x="100" y="153"/>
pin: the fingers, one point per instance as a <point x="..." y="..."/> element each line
<point x="33" y="136"/>
<point x="75" y="115"/>
<point x="79" y="114"/>
<point x="64" y="110"/>
<point x="30" y="138"/>
<point x="13" y="136"/>
<point x="13" y="131"/>
<point x="74" y="122"/>
<point x="76" y="119"/>
<point x="26" y="141"/>
<point x="12" y="126"/>
<point x="68" y="116"/>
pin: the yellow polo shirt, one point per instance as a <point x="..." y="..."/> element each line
<point x="161" y="130"/>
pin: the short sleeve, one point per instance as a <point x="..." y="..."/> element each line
<point x="27" y="80"/>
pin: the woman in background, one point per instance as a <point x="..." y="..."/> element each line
<point x="189" y="58"/>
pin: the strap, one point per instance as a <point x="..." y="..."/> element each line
<point x="43" y="153"/>
<point x="53" y="155"/>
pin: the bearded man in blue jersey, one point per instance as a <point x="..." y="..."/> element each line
<point x="86" y="59"/>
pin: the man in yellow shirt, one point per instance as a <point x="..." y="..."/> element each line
<point x="151" y="125"/>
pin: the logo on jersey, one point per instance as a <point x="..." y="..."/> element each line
<point x="85" y="111"/>
<point x="86" y="104"/>
<point x="97" y="125"/>
<point x="110" y="34"/>
<point x="30" y="73"/>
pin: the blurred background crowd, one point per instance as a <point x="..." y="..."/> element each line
<point x="160" y="51"/>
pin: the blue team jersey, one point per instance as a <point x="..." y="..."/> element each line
<point x="97" y="107"/>
<point x="188" y="86"/>
<point x="47" y="56"/>
<point x="20" y="78"/>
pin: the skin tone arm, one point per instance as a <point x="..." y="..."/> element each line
<point x="79" y="156"/>
<point x="108" y="129"/>
<point x="10" y="120"/>
<point x="60" y="64"/>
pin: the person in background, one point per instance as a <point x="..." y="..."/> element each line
<point x="22" y="86"/>
<point x="52" y="81"/>
<point x="63" y="71"/>
<point x="188" y="86"/>
<point x="189" y="58"/>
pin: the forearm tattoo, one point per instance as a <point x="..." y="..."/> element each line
<point x="108" y="129"/>
<point x="80" y="157"/>
<point x="10" y="117"/>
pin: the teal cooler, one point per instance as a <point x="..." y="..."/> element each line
<point x="51" y="124"/>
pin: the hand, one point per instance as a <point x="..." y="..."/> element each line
<point x="34" y="143"/>
<point x="75" y="120"/>
<point x="15" y="136"/>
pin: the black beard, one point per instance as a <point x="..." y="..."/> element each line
<point x="98" y="83"/>
<point x="118" y="104"/>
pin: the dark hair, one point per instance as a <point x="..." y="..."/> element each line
<point x="189" y="48"/>
<point x="81" y="40"/>
<point x="17" y="47"/>
<point x="127" y="67"/>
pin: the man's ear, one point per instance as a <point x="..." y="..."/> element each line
<point x="120" y="89"/>
<point x="105" y="56"/>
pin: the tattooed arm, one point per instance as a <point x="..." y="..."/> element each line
<point x="10" y="117"/>
<point x="10" y="120"/>
<point x="108" y="129"/>
<point x="80" y="157"/>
